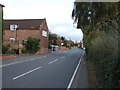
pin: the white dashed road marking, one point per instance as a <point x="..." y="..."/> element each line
<point x="17" y="62"/>
<point x="44" y="56"/>
<point x="63" y="57"/>
<point x="53" y="61"/>
<point x="39" y="57"/>
<point x="26" y="73"/>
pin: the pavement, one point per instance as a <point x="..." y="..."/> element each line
<point x="49" y="70"/>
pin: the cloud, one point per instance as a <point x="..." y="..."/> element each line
<point x="56" y="12"/>
<point x="76" y="35"/>
<point x="68" y="31"/>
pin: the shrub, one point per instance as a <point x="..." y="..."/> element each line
<point x="24" y="51"/>
<point x="4" y="49"/>
<point x="10" y="52"/>
<point x="32" y="45"/>
<point x="49" y="46"/>
<point x="103" y="51"/>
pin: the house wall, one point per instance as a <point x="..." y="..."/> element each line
<point x="44" y="40"/>
<point x="20" y="35"/>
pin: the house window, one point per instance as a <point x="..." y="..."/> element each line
<point x="12" y="40"/>
<point x="24" y="41"/>
<point x="44" y="33"/>
<point x="13" y="27"/>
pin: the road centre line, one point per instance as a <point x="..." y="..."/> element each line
<point x="17" y="62"/>
<point x="50" y="62"/>
<point x="44" y="56"/>
<point x="39" y="57"/>
<point x="63" y="57"/>
<point x="53" y="61"/>
<point x="26" y="73"/>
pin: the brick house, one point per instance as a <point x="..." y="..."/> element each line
<point x="17" y="32"/>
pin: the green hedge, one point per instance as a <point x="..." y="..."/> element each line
<point x="103" y="51"/>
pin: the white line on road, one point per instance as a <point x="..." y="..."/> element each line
<point x="71" y="81"/>
<point x="63" y="57"/>
<point x="39" y="57"/>
<point x="26" y="73"/>
<point x="17" y="62"/>
<point x="32" y="59"/>
<point x="53" y="61"/>
<point x="50" y="62"/>
<point x="44" y="56"/>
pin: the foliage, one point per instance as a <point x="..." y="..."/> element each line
<point x="24" y="51"/>
<point x="99" y="23"/>
<point x="32" y="45"/>
<point x="4" y="49"/>
<point x="49" y="46"/>
<point x="65" y="43"/>
<point x="62" y="38"/>
<point x="52" y="36"/>
<point x="10" y="52"/>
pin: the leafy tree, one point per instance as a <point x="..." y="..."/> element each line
<point x="99" y="22"/>
<point x="32" y="45"/>
<point x="62" y="38"/>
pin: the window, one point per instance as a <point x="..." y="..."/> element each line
<point x="44" y="33"/>
<point x="12" y="40"/>
<point x="13" y="27"/>
<point x="24" y="41"/>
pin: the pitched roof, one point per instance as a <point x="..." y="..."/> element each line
<point x="24" y="23"/>
<point x="2" y="5"/>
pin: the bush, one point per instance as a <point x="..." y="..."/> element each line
<point x="24" y="51"/>
<point x="4" y="49"/>
<point x="32" y="45"/>
<point x="49" y="46"/>
<point x="10" y="52"/>
<point x="103" y="51"/>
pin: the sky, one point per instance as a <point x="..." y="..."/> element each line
<point x="56" y="12"/>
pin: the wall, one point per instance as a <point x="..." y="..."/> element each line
<point x="24" y="34"/>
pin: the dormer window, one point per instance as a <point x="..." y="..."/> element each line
<point x="13" y="27"/>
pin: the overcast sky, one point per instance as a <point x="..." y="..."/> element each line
<point x="56" y="12"/>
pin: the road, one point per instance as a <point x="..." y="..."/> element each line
<point x="49" y="70"/>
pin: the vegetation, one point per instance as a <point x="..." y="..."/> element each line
<point x="32" y="45"/>
<point x="10" y="52"/>
<point x="99" y="24"/>
<point x="4" y="49"/>
<point x="54" y="37"/>
<point x="49" y="46"/>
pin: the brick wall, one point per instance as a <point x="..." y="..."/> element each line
<point x="44" y="40"/>
<point x="24" y="34"/>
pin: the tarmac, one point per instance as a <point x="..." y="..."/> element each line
<point x="81" y="77"/>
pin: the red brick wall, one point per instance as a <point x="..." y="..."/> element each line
<point x="24" y="34"/>
<point x="21" y="34"/>
<point x="44" y="40"/>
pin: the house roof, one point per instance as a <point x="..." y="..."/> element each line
<point x="24" y="23"/>
<point x="2" y="5"/>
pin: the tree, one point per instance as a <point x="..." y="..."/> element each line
<point x="32" y="45"/>
<point x="62" y="38"/>
<point x="99" y="22"/>
<point x="52" y="38"/>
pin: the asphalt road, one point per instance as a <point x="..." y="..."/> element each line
<point x="49" y="70"/>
